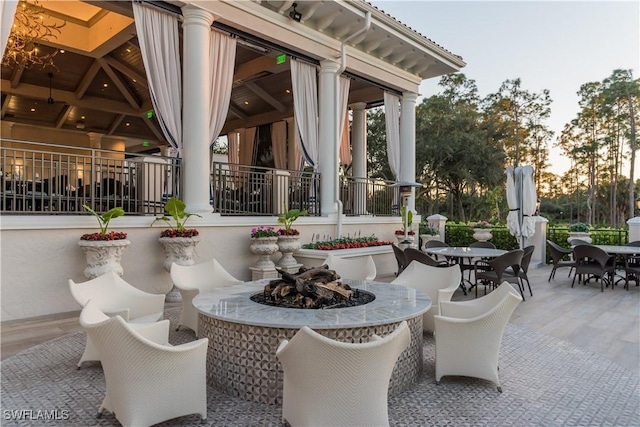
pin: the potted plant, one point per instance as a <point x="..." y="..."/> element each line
<point x="406" y="235"/>
<point x="264" y="243"/>
<point x="482" y="231"/>
<point x="579" y="230"/>
<point x="103" y="250"/>
<point x="179" y="242"/>
<point x="288" y="238"/>
<point x="428" y="233"/>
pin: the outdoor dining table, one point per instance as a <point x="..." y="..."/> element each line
<point x="460" y="253"/>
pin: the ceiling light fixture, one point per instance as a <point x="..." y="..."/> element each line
<point x="28" y="30"/>
<point x="294" y="14"/>
<point x="50" y="99"/>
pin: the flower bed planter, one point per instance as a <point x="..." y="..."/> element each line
<point x="382" y="256"/>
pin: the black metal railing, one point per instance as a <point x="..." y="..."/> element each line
<point x="365" y="196"/>
<point x="42" y="178"/>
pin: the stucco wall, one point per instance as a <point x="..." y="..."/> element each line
<point x="39" y="254"/>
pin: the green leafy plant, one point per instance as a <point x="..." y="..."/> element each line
<point x="481" y="224"/>
<point x="579" y="227"/>
<point x="176" y="208"/>
<point x="287" y="218"/>
<point x="407" y="218"/>
<point x="103" y="222"/>
<point x="429" y="231"/>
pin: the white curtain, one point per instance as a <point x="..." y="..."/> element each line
<point x="222" y="58"/>
<point x="305" y="102"/>
<point x="345" y="143"/>
<point x="279" y="144"/>
<point x="513" y="217"/>
<point x="247" y="146"/>
<point x="233" y="146"/>
<point x="7" y="12"/>
<point x="296" y="148"/>
<point x="158" y="39"/>
<point x="392" y="121"/>
<point x="343" y="99"/>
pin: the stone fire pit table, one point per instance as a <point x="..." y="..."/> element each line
<point x="244" y="335"/>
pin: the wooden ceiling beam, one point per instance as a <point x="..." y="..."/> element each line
<point x="64" y="114"/>
<point x="127" y="71"/>
<point x="114" y="125"/>
<point x="236" y="111"/>
<point x="16" y="75"/>
<point x="156" y="132"/>
<point x="260" y="119"/>
<point x="93" y="103"/>
<point x="87" y="79"/>
<point x="251" y="68"/>
<point x="5" y="105"/>
<point x="115" y="79"/>
<point x="264" y="95"/>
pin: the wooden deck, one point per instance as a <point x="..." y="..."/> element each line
<point x="607" y="323"/>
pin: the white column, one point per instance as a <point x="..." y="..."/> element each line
<point x="95" y="139"/>
<point x="408" y="142"/>
<point x="359" y="156"/>
<point x="195" y="117"/>
<point x="327" y="135"/>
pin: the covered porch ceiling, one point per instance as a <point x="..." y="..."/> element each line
<point x="99" y="84"/>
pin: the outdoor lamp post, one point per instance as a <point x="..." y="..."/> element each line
<point x="405" y="192"/>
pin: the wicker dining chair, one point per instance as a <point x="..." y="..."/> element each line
<point x="557" y="252"/>
<point x="494" y="276"/>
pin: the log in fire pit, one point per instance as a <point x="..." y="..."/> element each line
<point x="313" y="288"/>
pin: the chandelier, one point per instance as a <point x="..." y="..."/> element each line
<point x="28" y="31"/>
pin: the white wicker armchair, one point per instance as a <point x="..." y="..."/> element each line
<point x="361" y="268"/>
<point x="114" y="296"/>
<point x="469" y="333"/>
<point x="147" y="380"/>
<point x="190" y="280"/>
<point x="331" y="383"/>
<point x="438" y="282"/>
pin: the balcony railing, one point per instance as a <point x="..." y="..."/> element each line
<point x="39" y="178"/>
<point x="55" y="179"/>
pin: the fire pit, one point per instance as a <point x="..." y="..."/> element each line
<point x="244" y="335"/>
<point x="313" y="288"/>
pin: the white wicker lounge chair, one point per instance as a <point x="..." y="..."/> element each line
<point x="147" y="381"/>
<point x="469" y="333"/>
<point x="114" y="296"/>
<point x="361" y="268"/>
<point x="331" y="383"/>
<point x="193" y="279"/>
<point x="438" y="282"/>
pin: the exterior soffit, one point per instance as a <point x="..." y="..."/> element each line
<point x="263" y="23"/>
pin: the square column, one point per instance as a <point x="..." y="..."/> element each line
<point x="359" y="156"/>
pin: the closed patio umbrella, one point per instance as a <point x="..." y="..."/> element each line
<point x="513" y="220"/>
<point x="528" y="200"/>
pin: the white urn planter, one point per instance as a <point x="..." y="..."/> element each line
<point x="426" y="238"/>
<point x="582" y="235"/>
<point x="482" y="234"/>
<point x="180" y="250"/>
<point x="264" y="247"/>
<point x="103" y="256"/>
<point x="287" y="245"/>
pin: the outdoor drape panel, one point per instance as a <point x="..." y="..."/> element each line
<point x="222" y="59"/>
<point x="305" y="102"/>
<point x="392" y="121"/>
<point x="296" y="148"/>
<point x="343" y="99"/>
<point x="247" y="146"/>
<point x="345" y="143"/>
<point x="7" y="11"/>
<point x="158" y="39"/>
<point x="529" y="199"/>
<point x="233" y="146"/>
<point x="279" y="144"/>
<point x="513" y="217"/>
